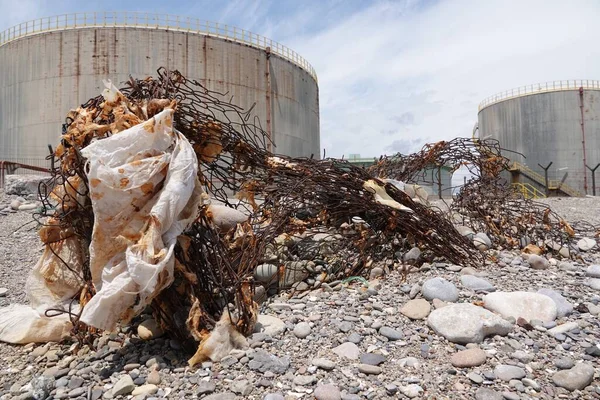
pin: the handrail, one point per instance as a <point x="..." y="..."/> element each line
<point x="545" y="87"/>
<point x="552" y="183"/>
<point x="153" y="21"/>
<point x="528" y="191"/>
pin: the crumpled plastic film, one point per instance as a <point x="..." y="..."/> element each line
<point x="142" y="182"/>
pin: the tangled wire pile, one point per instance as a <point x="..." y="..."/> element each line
<point x="361" y="219"/>
<point x="487" y="203"/>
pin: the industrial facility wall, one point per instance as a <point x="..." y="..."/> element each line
<point x="43" y="76"/>
<point x="547" y="128"/>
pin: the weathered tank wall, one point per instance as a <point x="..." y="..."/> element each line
<point x="547" y="127"/>
<point x="45" y="75"/>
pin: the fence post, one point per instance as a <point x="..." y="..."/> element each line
<point x="546" y="177"/>
<point x="593" y="177"/>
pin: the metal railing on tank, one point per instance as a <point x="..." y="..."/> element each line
<point x="554" y="86"/>
<point x="153" y="21"/>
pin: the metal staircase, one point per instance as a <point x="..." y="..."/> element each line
<point x="528" y="191"/>
<point x="539" y="179"/>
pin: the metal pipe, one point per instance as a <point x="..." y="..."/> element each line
<point x="583" y="139"/>
<point x="268" y="100"/>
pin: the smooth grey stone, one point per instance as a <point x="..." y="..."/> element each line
<point x="323" y="363"/>
<point x="439" y="288"/>
<point x="369" y="369"/>
<point x="564" y="363"/>
<point x="475" y="377"/>
<point x="205" y="387"/>
<point x="476" y="284"/>
<point x="327" y="392"/>
<point x="563" y="307"/>
<point x="576" y="378"/>
<point x="372" y="358"/>
<point x="508" y="372"/>
<point x="302" y="330"/>
<point x="390" y="333"/>
<point x="487" y="394"/>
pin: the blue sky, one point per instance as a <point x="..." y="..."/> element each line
<point x="394" y="75"/>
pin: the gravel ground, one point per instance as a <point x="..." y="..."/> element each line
<point x="354" y="341"/>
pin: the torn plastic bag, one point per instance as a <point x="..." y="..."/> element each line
<point x="144" y="191"/>
<point x="21" y="324"/>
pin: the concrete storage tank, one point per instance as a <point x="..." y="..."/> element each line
<point x="556" y="122"/>
<point x="51" y="65"/>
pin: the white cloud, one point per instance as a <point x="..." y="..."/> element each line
<point x="436" y="63"/>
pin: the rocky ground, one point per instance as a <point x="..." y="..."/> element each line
<point x="426" y="337"/>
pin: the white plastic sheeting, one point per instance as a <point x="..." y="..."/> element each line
<point x="144" y="190"/>
<point x="142" y="183"/>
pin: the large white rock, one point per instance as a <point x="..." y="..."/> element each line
<point x="467" y="323"/>
<point x="526" y="305"/>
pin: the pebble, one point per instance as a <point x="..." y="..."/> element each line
<point x="439" y="288"/>
<point x="564" y="363"/>
<point x="537" y="262"/>
<point x="594" y="283"/>
<point x="242" y="387"/>
<point x="3" y="291"/>
<point x="475" y="377"/>
<point x="563" y="307"/>
<point x="323" y="363"/>
<point x="153" y="377"/>
<point x="145" y="390"/>
<point x="369" y="369"/>
<point x="564" y="328"/>
<point x="509" y="372"/>
<point x="372" y="358"/>
<point x="327" y="392"/>
<point x="586" y="244"/>
<point x="390" y="333"/>
<point x="221" y="396"/>
<point x="531" y="383"/>
<point x="468" y="358"/>
<point x="576" y="378"/>
<point x="302" y="330"/>
<point x="482" y="241"/>
<point x="269" y="325"/>
<point x="466" y="323"/>
<point x="411" y="391"/>
<point x="304" y="380"/>
<point x="529" y="306"/>
<point x="275" y="396"/>
<point x="123" y="386"/>
<point x="476" y="284"/>
<point x="149" y="329"/>
<point x="348" y="350"/>
<point x="416" y="309"/>
<point x="487" y="394"/>
<point x="593" y="271"/>
<point x="77" y="392"/>
<point x="205" y="387"/>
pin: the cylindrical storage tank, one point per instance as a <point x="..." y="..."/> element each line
<point x="556" y="122"/>
<point x="51" y="65"/>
